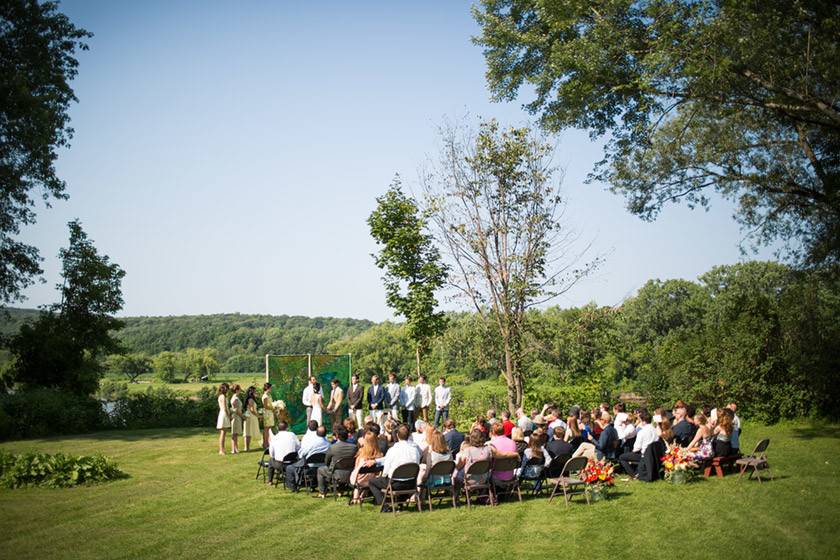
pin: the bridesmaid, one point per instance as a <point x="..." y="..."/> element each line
<point x="235" y="418"/>
<point x="252" y="420"/>
<point x="268" y="414"/>
<point x="223" y="423"/>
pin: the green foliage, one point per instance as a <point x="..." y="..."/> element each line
<point x="378" y="351"/>
<point x="131" y="365"/>
<point x="55" y="471"/>
<point x="110" y="390"/>
<point x="733" y="97"/>
<point x="39" y="45"/>
<point x="62" y="347"/>
<point x="163" y="408"/>
<point x="412" y="265"/>
<point x="42" y="412"/>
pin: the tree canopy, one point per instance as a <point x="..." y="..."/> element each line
<point x="37" y="62"/>
<point x="732" y="96"/>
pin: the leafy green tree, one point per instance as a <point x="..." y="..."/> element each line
<point x="412" y="265"/>
<point x="62" y="348"/>
<point x="726" y="96"/>
<point x="167" y="365"/>
<point x="131" y="365"/>
<point x="497" y="211"/>
<point x="200" y="362"/>
<point x="379" y="350"/>
<point x="38" y="46"/>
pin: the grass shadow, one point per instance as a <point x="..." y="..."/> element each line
<point x="817" y="431"/>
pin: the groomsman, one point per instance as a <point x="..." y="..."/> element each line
<point x="442" y="397"/>
<point x="355" y="400"/>
<point x="393" y="395"/>
<point x="376" y="395"/>
<point x="336" y="400"/>
<point x="408" y="401"/>
<point x="424" y="397"/>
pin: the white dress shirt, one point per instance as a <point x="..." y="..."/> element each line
<point x="313" y="446"/>
<point x="442" y="396"/>
<point x="283" y="443"/>
<point x="408" y="396"/>
<point x="403" y="452"/>
<point x="424" y="394"/>
<point x="644" y="437"/>
<point x="556" y="424"/>
<point x="306" y="398"/>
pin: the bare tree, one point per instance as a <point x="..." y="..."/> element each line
<point x="495" y="200"/>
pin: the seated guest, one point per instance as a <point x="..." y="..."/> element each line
<point x="491" y="417"/>
<point x="608" y="442"/>
<point x="389" y="431"/>
<point x="559" y="449"/>
<point x="381" y="440"/>
<point x="524" y="422"/>
<point x="475" y="451"/>
<point x="281" y="444"/>
<point x="518" y="437"/>
<point x="506" y="422"/>
<point x="311" y="431"/>
<point x="403" y="452"/>
<point x="350" y="425"/>
<point x="313" y="446"/>
<point x="554" y="421"/>
<point x="502" y="446"/>
<point x="572" y="433"/>
<point x="480" y="424"/>
<point x="702" y="443"/>
<point x="339" y="450"/>
<point x="419" y="435"/>
<point x="367" y="456"/>
<point x="723" y="436"/>
<point x="734" y="438"/>
<point x="683" y="430"/>
<point x="536" y="450"/>
<point x="453" y="437"/>
<point x="435" y="452"/>
<point x="585" y="424"/>
<point x="644" y="437"/>
<point x="664" y="430"/>
<point x="539" y="423"/>
<point x="360" y="433"/>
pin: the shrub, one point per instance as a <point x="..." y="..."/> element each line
<point x="163" y="408"/>
<point x="55" y="471"/>
<point x="46" y="412"/>
<point x="110" y="390"/>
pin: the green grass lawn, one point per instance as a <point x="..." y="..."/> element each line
<point x="182" y="500"/>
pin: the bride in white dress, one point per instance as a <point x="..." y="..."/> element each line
<point x="317" y="401"/>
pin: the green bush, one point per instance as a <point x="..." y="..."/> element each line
<point x="110" y="390"/>
<point x="47" y="412"/>
<point x="55" y="471"/>
<point x="163" y="408"/>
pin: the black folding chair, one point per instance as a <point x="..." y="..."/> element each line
<point x="310" y="469"/>
<point x="568" y="483"/>
<point x="505" y="487"/>
<point x="340" y="474"/>
<point x="477" y="482"/>
<point x="408" y="471"/>
<point x="439" y="482"/>
<point x="364" y="492"/>
<point x="534" y="473"/>
<point x="289" y="459"/>
<point x="262" y="464"/>
<point x="757" y="461"/>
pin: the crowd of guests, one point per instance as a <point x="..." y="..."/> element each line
<point x="541" y="442"/>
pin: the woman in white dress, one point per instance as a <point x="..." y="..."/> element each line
<point x="317" y="401"/>
<point x="236" y="418"/>
<point x="268" y="414"/>
<point x="223" y="422"/>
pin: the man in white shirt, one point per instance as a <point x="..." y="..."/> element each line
<point x="644" y="437"/>
<point x="419" y="435"/>
<point x="308" y="448"/>
<point x="306" y="398"/>
<point x="393" y="389"/>
<point x="524" y="421"/>
<point x="408" y="401"/>
<point x="281" y="445"/>
<point x="401" y="453"/>
<point x="424" y="397"/>
<point x="310" y="433"/>
<point x="442" y="397"/>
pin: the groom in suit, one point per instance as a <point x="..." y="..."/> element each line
<point x="376" y="398"/>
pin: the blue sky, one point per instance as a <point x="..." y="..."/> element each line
<point x="227" y="155"/>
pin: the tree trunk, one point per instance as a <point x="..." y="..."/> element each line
<point x="513" y="401"/>
<point x="417" y="355"/>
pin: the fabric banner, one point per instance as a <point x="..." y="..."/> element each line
<point x="289" y="375"/>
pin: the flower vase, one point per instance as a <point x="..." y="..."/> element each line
<point x="596" y="492"/>
<point x="679" y="477"/>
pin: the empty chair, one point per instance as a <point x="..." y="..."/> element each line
<point x="568" y="480"/>
<point x="757" y="461"/>
<point x="263" y="464"/>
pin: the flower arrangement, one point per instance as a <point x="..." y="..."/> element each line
<point x="598" y="476"/>
<point x="679" y="464"/>
<point x="280" y="412"/>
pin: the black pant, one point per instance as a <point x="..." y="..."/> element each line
<point x="294" y="474"/>
<point x="378" y="485"/>
<point x="408" y="418"/>
<point x="325" y="476"/>
<point x="625" y="459"/>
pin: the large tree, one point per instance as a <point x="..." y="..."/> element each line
<point x="412" y="264"/>
<point x="37" y="63"/>
<point x="63" y="347"/>
<point x="498" y="212"/>
<point x="738" y="97"/>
